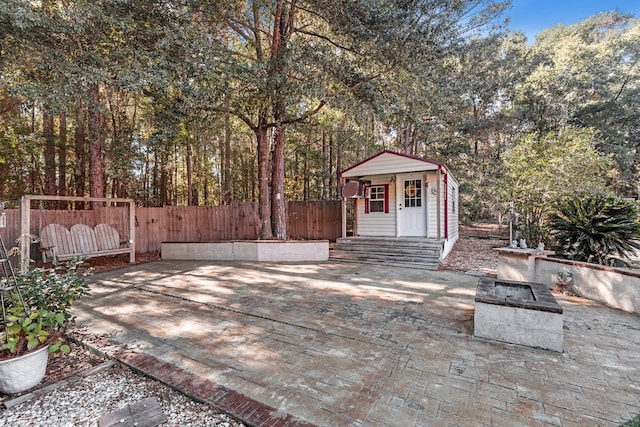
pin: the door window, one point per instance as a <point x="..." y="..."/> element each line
<point x="413" y="193"/>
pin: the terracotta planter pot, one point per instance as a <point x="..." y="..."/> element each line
<point x="23" y="372"/>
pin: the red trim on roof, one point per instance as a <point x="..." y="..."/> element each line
<point x="408" y="156"/>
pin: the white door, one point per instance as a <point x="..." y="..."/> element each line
<point x="411" y="205"/>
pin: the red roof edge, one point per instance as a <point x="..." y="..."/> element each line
<point x="409" y="156"/>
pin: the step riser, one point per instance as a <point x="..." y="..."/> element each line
<point x="417" y="253"/>
<point x="427" y="244"/>
<point x="421" y="266"/>
<point x="388" y="250"/>
<point x="381" y="256"/>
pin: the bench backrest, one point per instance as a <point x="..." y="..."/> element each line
<point x="108" y="237"/>
<point x="84" y="239"/>
<point x="56" y="237"/>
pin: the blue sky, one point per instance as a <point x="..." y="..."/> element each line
<point x="531" y="16"/>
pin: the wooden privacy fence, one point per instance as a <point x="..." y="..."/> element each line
<point x="237" y="221"/>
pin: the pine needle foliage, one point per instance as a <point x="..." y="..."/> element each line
<point x="597" y="228"/>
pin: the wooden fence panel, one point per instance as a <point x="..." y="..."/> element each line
<point x="238" y="221"/>
<point x="10" y="232"/>
<point x="314" y="220"/>
<point x="148" y="229"/>
<point x="117" y="217"/>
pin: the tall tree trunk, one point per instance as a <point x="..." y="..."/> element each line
<point x="226" y="158"/>
<point x="34" y="171"/>
<point x="96" y="164"/>
<point x="325" y="171"/>
<point x="338" y="169"/>
<point x="49" y="153"/>
<point x="330" y="170"/>
<point x="155" y="180"/>
<point x="306" y="174"/>
<point x="80" y="143"/>
<point x="278" y="202"/>
<point x="407" y="139"/>
<point x="174" y="175"/>
<point x="188" y="162"/>
<point x="164" y="197"/>
<point x="145" y="184"/>
<point x="264" y="203"/>
<point x="282" y="30"/>
<point x="62" y="156"/>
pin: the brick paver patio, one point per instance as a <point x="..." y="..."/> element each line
<point x="350" y="344"/>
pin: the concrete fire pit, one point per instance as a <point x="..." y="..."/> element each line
<point x="518" y="313"/>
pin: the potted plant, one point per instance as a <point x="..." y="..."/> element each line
<point x="36" y="311"/>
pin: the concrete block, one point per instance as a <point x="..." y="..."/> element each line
<point x="519" y="326"/>
<point x="265" y="251"/>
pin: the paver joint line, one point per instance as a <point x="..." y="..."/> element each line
<point x="336" y="344"/>
<point x="244" y="313"/>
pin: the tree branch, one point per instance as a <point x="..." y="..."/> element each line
<point x="325" y="38"/>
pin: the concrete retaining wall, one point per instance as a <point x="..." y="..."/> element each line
<point x="616" y="287"/>
<point x="262" y="250"/>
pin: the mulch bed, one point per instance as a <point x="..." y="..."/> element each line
<point x="474" y="251"/>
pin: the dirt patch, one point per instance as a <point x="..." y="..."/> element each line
<point x="474" y="252"/>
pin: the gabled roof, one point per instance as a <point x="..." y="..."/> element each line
<point x="386" y="162"/>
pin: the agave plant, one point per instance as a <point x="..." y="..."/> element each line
<point x="596" y="228"/>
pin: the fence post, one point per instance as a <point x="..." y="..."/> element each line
<point x="25" y="231"/>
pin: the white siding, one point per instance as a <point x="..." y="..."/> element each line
<point x="378" y="224"/>
<point x="388" y="163"/>
<point x="454" y="208"/>
<point x="432" y="203"/>
<point x="380" y="169"/>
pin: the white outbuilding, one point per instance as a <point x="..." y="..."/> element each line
<point x="402" y="196"/>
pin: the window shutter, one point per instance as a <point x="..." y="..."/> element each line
<point x="366" y="205"/>
<point x="386" y="198"/>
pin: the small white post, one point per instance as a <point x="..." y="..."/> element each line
<point x="25" y="231"/>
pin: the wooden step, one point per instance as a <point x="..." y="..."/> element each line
<point x="391" y="242"/>
<point x="346" y="257"/>
<point x="391" y="256"/>
<point x="393" y="251"/>
<point x="401" y="250"/>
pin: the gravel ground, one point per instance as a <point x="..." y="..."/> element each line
<point x="67" y="397"/>
<point x="84" y="401"/>
<point x="78" y="400"/>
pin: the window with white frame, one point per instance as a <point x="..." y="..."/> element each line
<point x="376" y="198"/>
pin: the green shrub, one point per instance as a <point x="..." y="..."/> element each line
<point x="596" y="228"/>
<point x="39" y="319"/>
<point x="54" y="289"/>
<point x="632" y="423"/>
